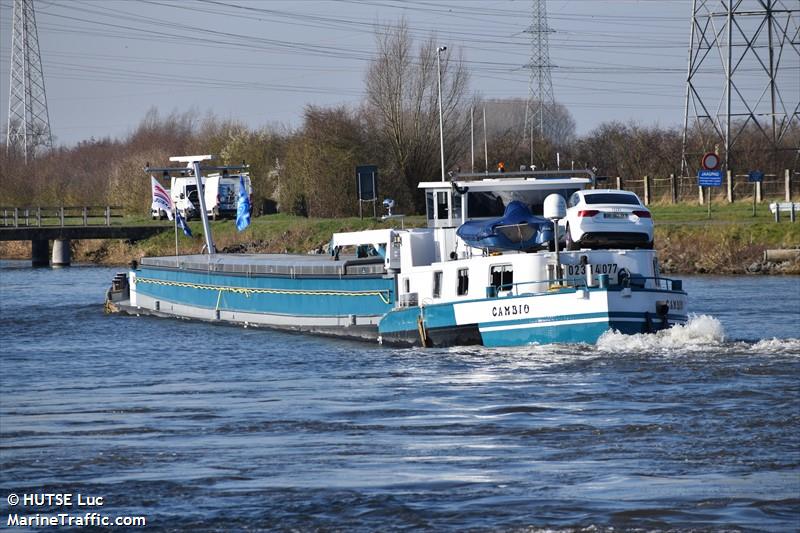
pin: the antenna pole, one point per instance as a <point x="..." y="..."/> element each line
<point x="485" y="143"/>
<point x="203" y="214"/>
<point x="441" y="126"/>
<point x="472" y="134"/>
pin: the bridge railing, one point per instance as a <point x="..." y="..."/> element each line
<point x="17" y="217"/>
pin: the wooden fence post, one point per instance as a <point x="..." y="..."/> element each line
<point x="758" y="192"/>
<point x="730" y="186"/>
<point x="647" y="190"/>
<point x="108" y="215"/>
<point x="61" y="214"/>
<point x="85" y="216"/>
<point x="700" y="197"/>
<point x="16" y="217"/>
<point x="39" y="216"/>
<point x="619" y="183"/>
<point x="788" y="181"/>
<point x="673" y="185"/>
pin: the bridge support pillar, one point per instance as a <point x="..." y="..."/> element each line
<point x="61" y="253"/>
<point x="40" y="253"/>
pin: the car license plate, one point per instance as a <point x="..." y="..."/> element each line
<point x="615" y="215"/>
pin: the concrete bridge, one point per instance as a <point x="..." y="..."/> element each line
<point x="40" y="225"/>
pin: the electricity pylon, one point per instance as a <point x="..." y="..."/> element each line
<point x="28" y="119"/>
<point x="539" y="109"/>
<point x="744" y="58"/>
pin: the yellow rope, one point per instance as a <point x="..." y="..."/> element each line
<point x="383" y="295"/>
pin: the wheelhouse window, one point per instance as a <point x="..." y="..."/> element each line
<point x="463" y="281"/>
<point x="456" y="206"/>
<point x="437" y="284"/>
<point x="485" y="204"/>
<point x="429" y="204"/>
<point x="502" y="277"/>
<point x="441" y="205"/>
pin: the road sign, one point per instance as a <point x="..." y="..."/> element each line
<point x="755" y="176"/>
<point x="710" y="161"/>
<point x="709" y="178"/>
<point x="367" y="182"/>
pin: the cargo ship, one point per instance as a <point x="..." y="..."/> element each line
<point x="489" y="269"/>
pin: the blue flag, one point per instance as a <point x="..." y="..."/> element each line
<point x="182" y="224"/>
<point x="242" y="207"/>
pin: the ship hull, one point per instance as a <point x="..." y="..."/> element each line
<point x="308" y="294"/>
<point x="566" y="316"/>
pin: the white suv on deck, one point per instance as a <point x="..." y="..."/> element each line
<point x="606" y="218"/>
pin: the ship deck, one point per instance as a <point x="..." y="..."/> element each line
<point x="270" y="264"/>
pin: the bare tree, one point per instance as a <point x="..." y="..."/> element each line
<point x="402" y="108"/>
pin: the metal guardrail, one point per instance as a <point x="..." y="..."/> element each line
<point x="21" y="217"/>
<point x="636" y="281"/>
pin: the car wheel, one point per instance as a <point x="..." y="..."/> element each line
<point x="570" y="245"/>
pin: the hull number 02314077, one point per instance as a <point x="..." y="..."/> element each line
<point x="601" y="268"/>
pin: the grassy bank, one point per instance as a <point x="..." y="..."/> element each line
<point x="731" y="242"/>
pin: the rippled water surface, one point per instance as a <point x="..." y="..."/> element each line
<point x="203" y="427"/>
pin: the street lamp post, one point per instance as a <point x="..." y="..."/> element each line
<point x="439" y="77"/>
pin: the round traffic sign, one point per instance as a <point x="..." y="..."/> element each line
<point x="710" y="161"/>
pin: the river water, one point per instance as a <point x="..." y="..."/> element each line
<point x="220" y="428"/>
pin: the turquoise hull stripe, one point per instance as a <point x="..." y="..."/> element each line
<point x="439" y="316"/>
<point x="436" y="316"/>
<point x="399" y="320"/>
<point x="567" y="333"/>
<point x="302" y="297"/>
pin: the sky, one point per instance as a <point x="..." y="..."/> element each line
<point x="107" y="62"/>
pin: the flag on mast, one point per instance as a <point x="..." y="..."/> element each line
<point x="161" y="199"/>
<point x="182" y="224"/>
<point x="242" y="207"/>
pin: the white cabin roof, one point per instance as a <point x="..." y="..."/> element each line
<point x="509" y="184"/>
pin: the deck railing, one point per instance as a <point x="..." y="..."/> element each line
<point x="534" y="287"/>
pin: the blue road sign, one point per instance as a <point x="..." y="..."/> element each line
<point x="709" y="178"/>
<point x="755" y="176"/>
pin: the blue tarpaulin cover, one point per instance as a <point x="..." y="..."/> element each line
<point x="517" y="229"/>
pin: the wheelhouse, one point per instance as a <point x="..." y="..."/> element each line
<point x="485" y="196"/>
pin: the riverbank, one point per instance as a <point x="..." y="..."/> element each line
<point x="685" y="244"/>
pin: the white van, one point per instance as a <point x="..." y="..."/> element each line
<point x="221" y="195"/>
